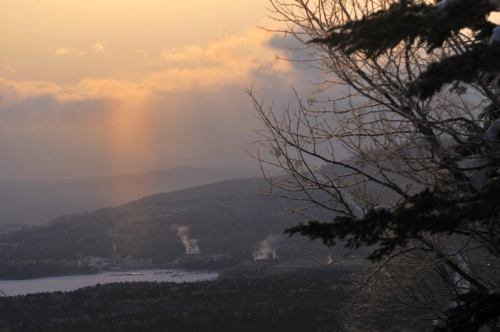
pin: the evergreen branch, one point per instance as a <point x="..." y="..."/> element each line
<point x="426" y="212"/>
<point x="474" y="310"/>
<point x="459" y="68"/>
<point x="385" y="29"/>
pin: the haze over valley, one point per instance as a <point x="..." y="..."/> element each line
<point x="35" y="202"/>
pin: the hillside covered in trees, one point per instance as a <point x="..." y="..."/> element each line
<point x="227" y="217"/>
<point x="264" y="297"/>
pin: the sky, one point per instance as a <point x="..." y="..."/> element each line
<point x="111" y="87"/>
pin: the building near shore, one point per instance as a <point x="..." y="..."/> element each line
<point x="217" y="257"/>
<point x="192" y="257"/>
<point x="90" y="265"/>
<point x="128" y="263"/>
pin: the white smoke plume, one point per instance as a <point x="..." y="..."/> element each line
<point x="330" y="258"/>
<point x="267" y="248"/>
<point x="191" y="245"/>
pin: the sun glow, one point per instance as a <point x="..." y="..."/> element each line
<point x="126" y="86"/>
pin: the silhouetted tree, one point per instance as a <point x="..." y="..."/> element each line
<point x="421" y="117"/>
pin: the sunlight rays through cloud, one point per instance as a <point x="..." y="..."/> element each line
<point x="190" y="110"/>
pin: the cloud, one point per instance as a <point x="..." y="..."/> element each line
<point x="240" y="59"/>
<point x="187" y="54"/>
<point x="44" y="135"/>
<point x="99" y="48"/>
<point x="244" y="51"/>
<point x="192" y="110"/>
<point x="6" y="69"/>
<point x="70" y="51"/>
<point x="237" y="59"/>
<point x="73" y="51"/>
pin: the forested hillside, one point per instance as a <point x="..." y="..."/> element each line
<point x="226" y="217"/>
<point x="296" y="299"/>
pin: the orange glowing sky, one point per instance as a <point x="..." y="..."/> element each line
<point x="93" y="87"/>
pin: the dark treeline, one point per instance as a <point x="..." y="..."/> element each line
<point x="287" y="302"/>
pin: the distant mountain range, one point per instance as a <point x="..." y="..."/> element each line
<point x="28" y="202"/>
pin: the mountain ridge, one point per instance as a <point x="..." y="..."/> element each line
<point x="224" y="217"/>
<point x="30" y="202"/>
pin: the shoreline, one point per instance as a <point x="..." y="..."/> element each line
<point x="74" y="282"/>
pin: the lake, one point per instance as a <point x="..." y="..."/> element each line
<point x="70" y="283"/>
